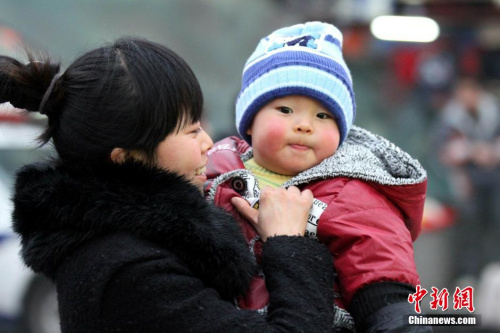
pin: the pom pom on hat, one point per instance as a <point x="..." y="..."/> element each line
<point x="304" y="59"/>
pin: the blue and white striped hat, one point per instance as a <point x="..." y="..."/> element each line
<point x="304" y="59"/>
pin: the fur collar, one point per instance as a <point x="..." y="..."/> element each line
<point x="58" y="208"/>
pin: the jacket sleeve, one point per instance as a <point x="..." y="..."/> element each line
<point x="164" y="295"/>
<point x="384" y="307"/>
<point x="367" y="234"/>
<point x="374" y="258"/>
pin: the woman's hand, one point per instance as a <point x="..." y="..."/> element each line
<point x="281" y="211"/>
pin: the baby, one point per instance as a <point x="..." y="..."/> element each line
<point x="295" y="113"/>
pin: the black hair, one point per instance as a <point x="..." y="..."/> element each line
<point x="129" y="94"/>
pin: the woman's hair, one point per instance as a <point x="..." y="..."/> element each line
<point x="129" y="94"/>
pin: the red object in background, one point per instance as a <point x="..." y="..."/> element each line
<point x="8" y="113"/>
<point x="470" y="61"/>
<point x="405" y="65"/>
<point x="9" y="39"/>
<point x="356" y="41"/>
<point x="437" y="216"/>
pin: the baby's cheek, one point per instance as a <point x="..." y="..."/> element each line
<point x="276" y="133"/>
<point x="329" y="143"/>
<point x="271" y="140"/>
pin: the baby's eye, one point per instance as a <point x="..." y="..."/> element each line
<point x="285" y="110"/>
<point x="323" y="115"/>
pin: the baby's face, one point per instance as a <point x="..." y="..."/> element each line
<point x="292" y="134"/>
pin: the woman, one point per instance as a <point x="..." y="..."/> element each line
<point x="118" y="220"/>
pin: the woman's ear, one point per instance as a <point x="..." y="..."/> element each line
<point x="119" y="155"/>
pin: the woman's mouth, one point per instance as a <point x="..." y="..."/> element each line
<point x="200" y="171"/>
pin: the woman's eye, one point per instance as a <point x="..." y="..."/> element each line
<point x="285" y="110"/>
<point x="194" y="128"/>
<point x="323" y="115"/>
<point x="197" y="130"/>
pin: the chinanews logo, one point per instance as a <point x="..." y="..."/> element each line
<point x="462" y="300"/>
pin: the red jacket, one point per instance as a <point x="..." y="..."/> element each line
<point x="374" y="194"/>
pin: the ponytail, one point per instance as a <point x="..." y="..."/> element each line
<point x="24" y="85"/>
<point x="30" y="86"/>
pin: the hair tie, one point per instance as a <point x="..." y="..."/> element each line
<point x="48" y="92"/>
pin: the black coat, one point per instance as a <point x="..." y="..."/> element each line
<point x="139" y="250"/>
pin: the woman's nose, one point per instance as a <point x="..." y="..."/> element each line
<point x="206" y="142"/>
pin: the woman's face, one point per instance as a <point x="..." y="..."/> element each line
<point x="185" y="152"/>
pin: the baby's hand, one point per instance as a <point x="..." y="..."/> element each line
<point x="281" y="211"/>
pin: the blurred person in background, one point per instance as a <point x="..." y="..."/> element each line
<point x="118" y="220"/>
<point x="468" y="142"/>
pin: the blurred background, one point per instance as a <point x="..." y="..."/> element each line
<point x="430" y="83"/>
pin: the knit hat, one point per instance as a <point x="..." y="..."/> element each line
<point x="304" y="59"/>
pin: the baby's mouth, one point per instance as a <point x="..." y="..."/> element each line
<point x="299" y="146"/>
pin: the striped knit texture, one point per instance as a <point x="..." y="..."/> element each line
<point x="304" y="59"/>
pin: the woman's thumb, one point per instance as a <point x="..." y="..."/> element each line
<point x="244" y="209"/>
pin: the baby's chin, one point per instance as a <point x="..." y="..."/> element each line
<point x="288" y="171"/>
<point x="287" y="168"/>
